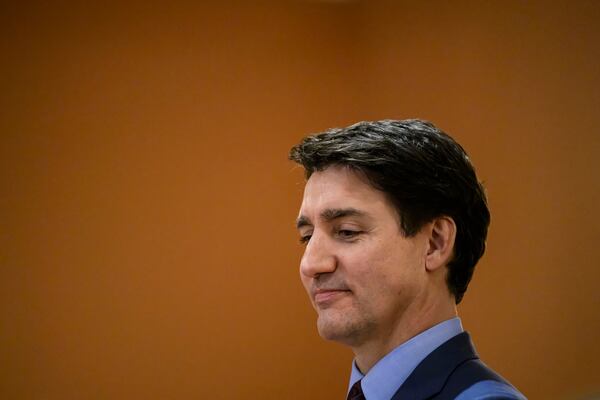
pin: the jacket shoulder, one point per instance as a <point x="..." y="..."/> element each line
<point x="448" y="371"/>
<point x="473" y="379"/>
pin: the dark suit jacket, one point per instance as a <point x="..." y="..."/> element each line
<point x="446" y="372"/>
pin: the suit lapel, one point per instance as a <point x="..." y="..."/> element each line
<point x="431" y="374"/>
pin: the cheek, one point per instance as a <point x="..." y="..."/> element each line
<point x="372" y="274"/>
<point x="386" y="271"/>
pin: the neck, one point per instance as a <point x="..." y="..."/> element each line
<point x="412" y="323"/>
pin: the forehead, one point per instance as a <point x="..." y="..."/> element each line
<point x="340" y="187"/>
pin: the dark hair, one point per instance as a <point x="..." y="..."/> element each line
<point x="423" y="171"/>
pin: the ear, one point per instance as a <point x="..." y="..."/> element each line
<point x="442" y="235"/>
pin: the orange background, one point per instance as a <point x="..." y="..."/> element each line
<point x="147" y="247"/>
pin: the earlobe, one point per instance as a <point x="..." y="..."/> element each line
<point x="442" y="235"/>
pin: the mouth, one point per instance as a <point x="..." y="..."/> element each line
<point x="324" y="297"/>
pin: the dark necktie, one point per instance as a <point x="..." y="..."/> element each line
<point x="356" y="392"/>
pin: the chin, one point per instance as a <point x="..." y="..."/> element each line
<point x="340" y="330"/>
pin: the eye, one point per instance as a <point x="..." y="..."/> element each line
<point x="347" y="234"/>
<point x="304" y="239"/>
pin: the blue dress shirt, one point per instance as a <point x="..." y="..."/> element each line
<point x="383" y="380"/>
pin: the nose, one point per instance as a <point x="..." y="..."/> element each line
<point x="318" y="258"/>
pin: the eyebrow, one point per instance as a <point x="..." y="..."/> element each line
<point x="331" y="214"/>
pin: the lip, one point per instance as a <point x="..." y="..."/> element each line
<point x="327" y="296"/>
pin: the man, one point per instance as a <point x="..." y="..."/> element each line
<point x="394" y="220"/>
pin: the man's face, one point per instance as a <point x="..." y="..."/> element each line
<point x="361" y="274"/>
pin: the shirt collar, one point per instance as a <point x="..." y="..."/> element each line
<point x="384" y="379"/>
